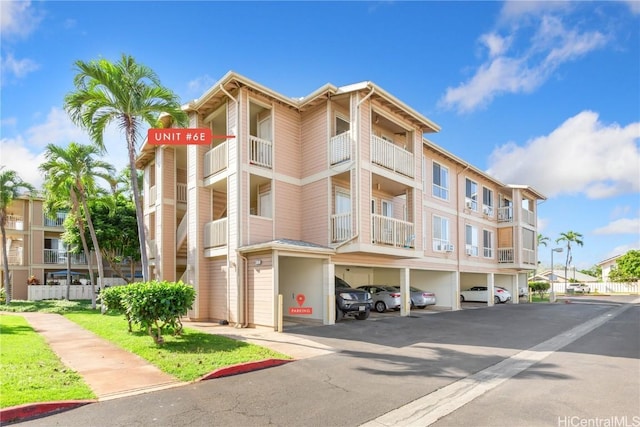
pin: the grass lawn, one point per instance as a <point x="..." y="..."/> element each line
<point x="187" y="357"/>
<point x="30" y="371"/>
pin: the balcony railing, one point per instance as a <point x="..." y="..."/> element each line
<point x="529" y="256"/>
<point x="14" y="256"/>
<point x="58" y="221"/>
<point x="505" y="214"/>
<point x="260" y="152"/>
<point x="181" y="192"/>
<point x="390" y="156"/>
<point x="505" y="256"/>
<point x="14" y="222"/>
<point x="215" y="233"/>
<point x="340" y="227"/>
<point x="340" y="146"/>
<point x="390" y="231"/>
<point x="216" y="160"/>
<point x="152" y="195"/>
<point x="528" y="217"/>
<point x="55" y="256"/>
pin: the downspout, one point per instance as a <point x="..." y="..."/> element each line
<point x="241" y="281"/>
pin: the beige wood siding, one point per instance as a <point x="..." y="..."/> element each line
<point x="314" y="141"/>
<point x="286" y="141"/>
<point x="287" y="211"/>
<point x="260" y="290"/>
<point x="261" y="230"/>
<point x="218" y="293"/>
<point x="314" y="208"/>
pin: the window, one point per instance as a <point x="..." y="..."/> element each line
<point x="487" y="201"/>
<point x="342" y="125"/>
<point x="487" y="243"/>
<point x="261" y="202"/>
<point x="471" y="195"/>
<point x="387" y="208"/>
<point x="440" y="181"/>
<point x="471" y="240"/>
<point x="440" y="234"/>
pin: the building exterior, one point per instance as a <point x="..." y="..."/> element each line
<point x="607" y="265"/>
<point x="35" y="250"/>
<point x="339" y="183"/>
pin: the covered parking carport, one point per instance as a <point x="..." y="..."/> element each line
<point x="509" y="281"/>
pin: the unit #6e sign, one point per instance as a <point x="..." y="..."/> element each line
<point x="197" y="136"/>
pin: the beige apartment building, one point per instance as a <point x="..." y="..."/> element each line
<point x="340" y="183"/>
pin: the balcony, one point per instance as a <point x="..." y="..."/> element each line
<point x="14" y="222"/>
<point x="528" y="217"/>
<point x="216" y="160"/>
<point x="181" y="192"/>
<point x="152" y="195"/>
<point x="390" y="231"/>
<point x="505" y="214"/>
<point x="260" y="152"/>
<point x="14" y="256"/>
<point x="506" y="256"/>
<point x="340" y="227"/>
<point x="55" y="256"/>
<point x="340" y="148"/>
<point x="392" y="157"/>
<point x="215" y="233"/>
<point x="58" y="221"/>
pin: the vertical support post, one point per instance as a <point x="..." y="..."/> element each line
<point x="280" y="304"/>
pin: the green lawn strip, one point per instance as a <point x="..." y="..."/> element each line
<point x="30" y="372"/>
<point x="186" y="357"/>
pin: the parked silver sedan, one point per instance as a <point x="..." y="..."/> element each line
<point x="384" y="297"/>
<point x="420" y="298"/>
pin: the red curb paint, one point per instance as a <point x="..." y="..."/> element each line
<point x="241" y="368"/>
<point x="30" y="410"/>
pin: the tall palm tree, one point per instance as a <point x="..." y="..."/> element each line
<point x="542" y="240"/>
<point x="10" y="188"/>
<point x="69" y="180"/>
<point x="568" y="237"/>
<point x="130" y="95"/>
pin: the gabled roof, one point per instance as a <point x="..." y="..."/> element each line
<point x="560" y="277"/>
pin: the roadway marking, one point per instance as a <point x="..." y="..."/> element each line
<point x="430" y="408"/>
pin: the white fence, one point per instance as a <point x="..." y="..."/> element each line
<point x="604" y="288"/>
<point x="76" y="292"/>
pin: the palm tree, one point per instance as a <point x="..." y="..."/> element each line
<point x="130" y="95"/>
<point x="10" y="186"/>
<point x="569" y="237"/>
<point x="69" y="180"/>
<point x="542" y="240"/>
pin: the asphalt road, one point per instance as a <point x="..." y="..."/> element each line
<point x="507" y="365"/>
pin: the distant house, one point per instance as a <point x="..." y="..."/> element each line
<point x="559" y="276"/>
<point x="607" y="265"/>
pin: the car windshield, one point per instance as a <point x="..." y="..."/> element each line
<point x="389" y="288"/>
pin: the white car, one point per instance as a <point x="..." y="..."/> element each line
<point x="480" y="294"/>
<point x="578" y="288"/>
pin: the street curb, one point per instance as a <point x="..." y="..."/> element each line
<point x="32" y="410"/>
<point x="243" y="367"/>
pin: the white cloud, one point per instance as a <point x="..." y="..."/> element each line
<point x="552" y="45"/>
<point x="634" y="6"/>
<point x="583" y="155"/>
<point x="10" y="66"/>
<point x="57" y="129"/>
<point x="18" y="18"/>
<point x="621" y="226"/>
<point x="200" y="85"/>
<point x="13" y="154"/>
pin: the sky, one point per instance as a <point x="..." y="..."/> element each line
<point x="545" y="94"/>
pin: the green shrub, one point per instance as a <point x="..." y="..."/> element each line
<point x="157" y="305"/>
<point x="3" y="296"/>
<point x="539" y="287"/>
<point x="113" y="298"/>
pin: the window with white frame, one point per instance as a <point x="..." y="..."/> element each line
<point x="471" y="240"/>
<point x="440" y="181"/>
<point x="487" y="243"/>
<point x="471" y="195"/>
<point x="487" y="201"/>
<point x="440" y="233"/>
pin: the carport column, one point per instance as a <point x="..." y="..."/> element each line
<point x="405" y="296"/>
<point x="329" y="316"/>
<point x="455" y="292"/>
<point x="490" y="288"/>
<point x="515" y="297"/>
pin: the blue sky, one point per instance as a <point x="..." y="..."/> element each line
<point x="539" y="93"/>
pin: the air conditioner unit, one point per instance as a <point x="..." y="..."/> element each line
<point x="469" y="204"/>
<point x="486" y="210"/>
<point x="469" y="252"/>
<point x="448" y="248"/>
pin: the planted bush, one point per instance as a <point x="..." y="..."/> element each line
<point x="539" y="287"/>
<point x="113" y="298"/>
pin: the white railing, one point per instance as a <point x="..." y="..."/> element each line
<point x="260" y="152"/>
<point x="603" y="288"/>
<point x="529" y="256"/>
<point x="14" y="256"/>
<point x="58" y="221"/>
<point x="505" y="214"/>
<point x="152" y="196"/>
<point x="505" y="256"/>
<point x="216" y="160"/>
<point x="340" y="148"/>
<point x="152" y="249"/>
<point x="390" y="156"/>
<point x="215" y="233"/>
<point x="181" y="192"/>
<point x="441" y="245"/>
<point x="390" y="231"/>
<point x="340" y="227"/>
<point x="528" y="217"/>
<point x="55" y="256"/>
<point x="14" y="222"/>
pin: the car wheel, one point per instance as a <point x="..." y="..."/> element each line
<point x="381" y="307"/>
<point x="461" y="298"/>
<point x="496" y="300"/>
<point x="422" y="307"/>
<point x="339" y="315"/>
<point x="363" y="316"/>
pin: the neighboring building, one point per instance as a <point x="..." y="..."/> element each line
<point x="607" y="265"/>
<point x="35" y="248"/>
<point x="559" y="276"/>
<point x="341" y="182"/>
